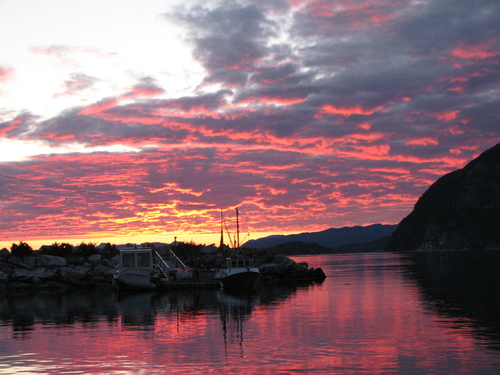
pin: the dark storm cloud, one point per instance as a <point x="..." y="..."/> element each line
<point x="438" y="25"/>
<point x="229" y="37"/>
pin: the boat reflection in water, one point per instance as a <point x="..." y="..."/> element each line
<point x="234" y="309"/>
<point x="137" y="312"/>
<point x="140" y="310"/>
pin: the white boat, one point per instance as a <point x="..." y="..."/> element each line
<point x="143" y="268"/>
<point x="240" y="271"/>
<point x="136" y="269"/>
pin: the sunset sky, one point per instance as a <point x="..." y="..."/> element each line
<point x="131" y="121"/>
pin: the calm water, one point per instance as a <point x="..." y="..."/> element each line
<point x="374" y="314"/>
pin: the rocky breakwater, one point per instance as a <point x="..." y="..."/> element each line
<point x="55" y="272"/>
<point x="274" y="268"/>
<point x="38" y="270"/>
<point x="280" y="268"/>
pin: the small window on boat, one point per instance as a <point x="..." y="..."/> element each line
<point x="143" y="260"/>
<point x="128" y="260"/>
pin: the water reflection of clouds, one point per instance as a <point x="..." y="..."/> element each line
<point x="374" y="315"/>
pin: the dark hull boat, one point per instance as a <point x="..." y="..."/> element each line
<point x="240" y="271"/>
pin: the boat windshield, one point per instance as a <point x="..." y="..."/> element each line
<point x="240" y="263"/>
<point x="128" y="260"/>
<point x="136" y="259"/>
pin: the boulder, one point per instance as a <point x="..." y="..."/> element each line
<point x="113" y="262"/>
<point x="24" y="262"/>
<point x="3" y="277"/>
<point x="4" y="253"/>
<point x="264" y="257"/>
<point x="102" y="270"/>
<point x="76" y="261"/>
<point x="23" y="274"/>
<point x="94" y="258"/>
<point x="317" y="274"/>
<point x="280" y="258"/>
<point x="79" y="275"/>
<point x="299" y="268"/>
<point x="268" y="268"/>
<point x="6" y="268"/>
<point x="305" y="264"/>
<point x="288" y="265"/>
<point x="51" y="261"/>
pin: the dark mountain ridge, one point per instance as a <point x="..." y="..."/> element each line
<point x="303" y="248"/>
<point x="461" y="210"/>
<point x="329" y="238"/>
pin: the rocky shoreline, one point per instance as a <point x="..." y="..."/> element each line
<point x="52" y="272"/>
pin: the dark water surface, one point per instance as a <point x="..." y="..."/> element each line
<point x="376" y="313"/>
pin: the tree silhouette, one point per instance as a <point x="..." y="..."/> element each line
<point x="21" y="250"/>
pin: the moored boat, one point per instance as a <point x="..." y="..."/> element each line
<point x="240" y="271"/>
<point x="141" y="267"/>
<point x="136" y="269"/>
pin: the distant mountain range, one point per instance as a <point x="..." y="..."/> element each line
<point x="329" y="238"/>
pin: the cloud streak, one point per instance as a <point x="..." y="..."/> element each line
<point x="309" y="115"/>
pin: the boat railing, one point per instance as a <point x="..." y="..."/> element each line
<point x="176" y="260"/>
<point x="160" y="262"/>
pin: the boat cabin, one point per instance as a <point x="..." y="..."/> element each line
<point x="136" y="258"/>
<point x="239" y="263"/>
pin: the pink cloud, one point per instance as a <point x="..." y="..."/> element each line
<point x="99" y="107"/>
<point x="457" y="89"/>
<point x="475" y="52"/>
<point x="147" y="91"/>
<point x="6" y="73"/>
<point x="275" y="100"/>
<point x="446" y="116"/>
<point x="345" y="111"/>
<point x="422" y="142"/>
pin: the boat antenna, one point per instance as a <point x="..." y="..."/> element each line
<point x="237" y="228"/>
<point x="244" y="238"/>
<point x="231" y="243"/>
<point x="221" y="246"/>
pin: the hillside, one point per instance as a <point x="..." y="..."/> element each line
<point x="461" y="210"/>
<point x="329" y="238"/>
<point x="302" y="248"/>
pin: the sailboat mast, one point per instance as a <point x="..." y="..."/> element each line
<point x="237" y="229"/>
<point x="221" y="246"/>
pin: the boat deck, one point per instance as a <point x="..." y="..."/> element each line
<point x="205" y="279"/>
